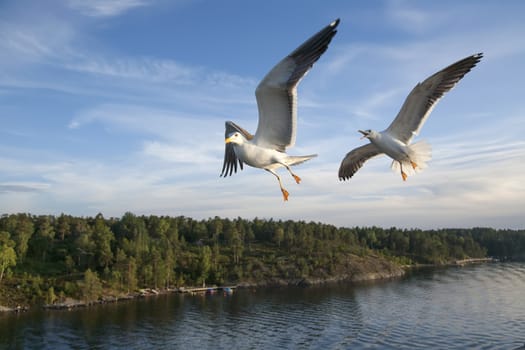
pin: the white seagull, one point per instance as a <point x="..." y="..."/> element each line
<point x="277" y="103"/>
<point x="395" y="140"/>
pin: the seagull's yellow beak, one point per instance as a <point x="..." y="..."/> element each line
<point x="365" y="134"/>
<point x="228" y="140"/>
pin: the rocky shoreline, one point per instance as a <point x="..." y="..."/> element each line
<point x="71" y="303"/>
<point x="355" y="277"/>
<point x="379" y="272"/>
<point x="13" y="309"/>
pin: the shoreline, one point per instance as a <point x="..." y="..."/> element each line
<point x="71" y="303"/>
<point x="391" y="272"/>
<point x="457" y="263"/>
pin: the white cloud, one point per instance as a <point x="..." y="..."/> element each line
<point x="34" y="40"/>
<point x="134" y="71"/>
<point x="407" y="16"/>
<point x="172" y="113"/>
<point x="368" y="109"/>
<point x="147" y="69"/>
<point x="185" y="152"/>
<point x="14" y="187"/>
<point x="106" y="8"/>
<point x="169" y="124"/>
<point x="160" y="180"/>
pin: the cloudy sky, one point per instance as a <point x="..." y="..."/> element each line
<point x="115" y="106"/>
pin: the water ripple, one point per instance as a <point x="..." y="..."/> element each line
<point x="474" y="307"/>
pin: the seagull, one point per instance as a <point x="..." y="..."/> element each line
<point x="395" y="140"/>
<point x="277" y="103"/>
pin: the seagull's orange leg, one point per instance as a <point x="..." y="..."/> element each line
<point x="403" y="174"/>
<point x="283" y="190"/>
<point x="296" y="178"/>
<point x="285" y="194"/>
<point x="414" y="165"/>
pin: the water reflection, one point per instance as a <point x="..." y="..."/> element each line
<point x="472" y="307"/>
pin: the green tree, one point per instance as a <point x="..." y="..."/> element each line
<point x="42" y="241"/>
<point x="131" y="274"/>
<point x="216" y="227"/>
<point x="91" y="287"/>
<point x="133" y="228"/>
<point x="289" y="238"/>
<point x="198" y="231"/>
<point x="102" y="236"/>
<point x="278" y="236"/>
<point x="62" y="226"/>
<point x="84" y="248"/>
<point x="69" y="263"/>
<point x="119" y="269"/>
<point x="7" y="253"/>
<point x="158" y="227"/>
<point x="21" y="228"/>
<point x="400" y="242"/>
<point x="234" y="239"/>
<point x="51" y="296"/>
<point x="204" y="264"/>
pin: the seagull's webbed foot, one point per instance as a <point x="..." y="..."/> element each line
<point x="414" y="165"/>
<point x="403" y="174"/>
<point x="296" y="178"/>
<point x="285" y="194"/>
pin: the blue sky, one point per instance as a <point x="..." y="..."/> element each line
<point x="115" y="106"/>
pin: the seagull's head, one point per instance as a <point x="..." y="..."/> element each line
<point x="235" y="138"/>
<point x="367" y="133"/>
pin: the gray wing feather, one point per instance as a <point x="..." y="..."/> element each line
<point x="277" y="93"/>
<point x="424" y="97"/>
<point x="354" y="160"/>
<point x="230" y="163"/>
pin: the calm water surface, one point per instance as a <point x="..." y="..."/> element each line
<point x="474" y="307"/>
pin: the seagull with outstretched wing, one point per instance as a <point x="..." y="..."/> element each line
<point x="395" y="140"/>
<point x="277" y="103"/>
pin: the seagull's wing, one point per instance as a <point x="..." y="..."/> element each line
<point x="229" y="165"/>
<point x="424" y="97"/>
<point x="277" y="92"/>
<point x="355" y="159"/>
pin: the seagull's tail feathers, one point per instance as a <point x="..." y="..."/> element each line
<point x="420" y="153"/>
<point x="294" y="160"/>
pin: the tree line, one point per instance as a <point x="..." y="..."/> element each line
<point x="48" y="257"/>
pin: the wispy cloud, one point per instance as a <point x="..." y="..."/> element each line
<point x="16" y="187"/>
<point x="106" y="8"/>
<point x="158" y="122"/>
<point x="147" y="69"/>
<point x="36" y="40"/>
<point x="157" y="181"/>
<point x="168" y="136"/>
<point x="186" y="152"/>
<point x="146" y="120"/>
<point x="407" y="16"/>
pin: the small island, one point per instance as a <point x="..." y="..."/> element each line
<point x="65" y="261"/>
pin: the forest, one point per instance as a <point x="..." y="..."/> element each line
<point x="45" y="258"/>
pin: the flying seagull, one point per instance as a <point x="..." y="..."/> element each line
<point x="395" y="140"/>
<point x="277" y="103"/>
